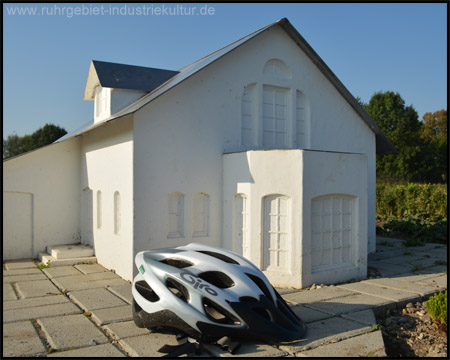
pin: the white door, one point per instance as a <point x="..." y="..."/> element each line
<point x="275" y="233"/>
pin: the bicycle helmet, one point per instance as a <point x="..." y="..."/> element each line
<point x="209" y="292"/>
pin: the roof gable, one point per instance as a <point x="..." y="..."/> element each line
<point x="383" y="145"/>
<point x="121" y="76"/>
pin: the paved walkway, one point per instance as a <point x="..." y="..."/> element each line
<point x="84" y="310"/>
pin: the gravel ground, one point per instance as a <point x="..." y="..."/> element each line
<point x="410" y="332"/>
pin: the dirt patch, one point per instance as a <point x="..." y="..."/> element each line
<point x="410" y="332"/>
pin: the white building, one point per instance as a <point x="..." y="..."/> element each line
<point x="257" y="147"/>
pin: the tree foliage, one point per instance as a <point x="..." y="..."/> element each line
<point x="422" y="147"/>
<point x="16" y="145"/>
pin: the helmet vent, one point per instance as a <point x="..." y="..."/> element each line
<point x="263" y="312"/>
<point x="217" y="278"/>
<point x="217" y="313"/>
<point x="220" y="257"/>
<point x="248" y="299"/>
<point x="178" y="263"/>
<point x="262" y="286"/>
<point x="177" y="289"/>
<point x="146" y="291"/>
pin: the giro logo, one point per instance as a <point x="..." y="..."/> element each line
<point x="197" y="283"/>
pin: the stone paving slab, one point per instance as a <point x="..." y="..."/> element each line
<point x="326" y="331"/>
<point x="389" y="252"/>
<point x="58" y="271"/>
<point x="366" y="345"/>
<point x="112" y="314"/>
<point x="351" y="303"/>
<point x="402" y="260"/>
<point x="247" y="349"/>
<point x="39" y="312"/>
<point x="121" y="330"/>
<point x="71" y="285"/>
<point x="365" y="317"/>
<point x="439" y="281"/>
<point x="92" y="299"/>
<point x="33" y="302"/>
<point x="122" y="291"/>
<point x="19" y="264"/>
<point x="25" y="271"/>
<point x="104" y="350"/>
<point x="8" y="292"/>
<point x="24" y="277"/>
<point x="147" y="345"/>
<point x="309" y="315"/>
<point x="308" y="296"/>
<point x="415" y="288"/>
<point x="74" y="331"/>
<point x="381" y="291"/>
<point x="90" y="268"/>
<point x="387" y="270"/>
<point x="21" y="339"/>
<point x="37" y="288"/>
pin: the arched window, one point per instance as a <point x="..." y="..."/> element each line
<point x="240" y="225"/>
<point x="248" y="115"/>
<point x="301" y="120"/>
<point x="175" y="216"/>
<point x="117" y="213"/>
<point x="99" y="209"/>
<point x="332" y="231"/>
<point x="276" y="233"/>
<point x="275" y="116"/>
<point x="201" y="215"/>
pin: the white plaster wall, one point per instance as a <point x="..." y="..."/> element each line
<point x="44" y="185"/>
<point x="107" y="165"/>
<point x="121" y="98"/>
<point x="257" y="174"/>
<point x="180" y="136"/>
<point x="327" y="173"/>
<point x="300" y="175"/>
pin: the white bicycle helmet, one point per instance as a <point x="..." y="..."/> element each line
<point x="208" y="292"/>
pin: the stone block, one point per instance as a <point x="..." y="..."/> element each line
<point x="74" y="331"/>
<point x="69" y="283"/>
<point x="21" y="339"/>
<point x="122" y="291"/>
<point x="8" y="292"/>
<point x="104" y="350"/>
<point x="147" y="345"/>
<point x="309" y="296"/>
<point x="19" y="264"/>
<point x="28" y="289"/>
<point x="309" y="315"/>
<point x="112" y="314"/>
<point x="366" y="345"/>
<point x="90" y="268"/>
<point x="40" y="312"/>
<point x="121" y="330"/>
<point x="55" y="272"/>
<point x="33" y="302"/>
<point x="247" y="349"/>
<point x="380" y="291"/>
<point x="24" y="277"/>
<point x="325" y="331"/>
<point x="70" y="251"/>
<point x="92" y="299"/>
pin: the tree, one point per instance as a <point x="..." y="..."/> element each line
<point x="434" y="135"/>
<point x="15" y="145"/>
<point x="401" y="125"/>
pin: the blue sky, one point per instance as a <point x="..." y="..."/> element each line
<point x="370" y="47"/>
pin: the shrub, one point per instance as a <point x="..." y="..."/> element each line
<point x="437" y="307"/>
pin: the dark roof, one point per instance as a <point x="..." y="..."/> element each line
<point x="383" y="145"/>
<point x="122" y="76"/>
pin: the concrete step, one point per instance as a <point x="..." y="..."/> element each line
<point x="70" y="251"/>
<point x="44" y="258"/>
